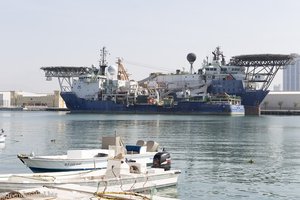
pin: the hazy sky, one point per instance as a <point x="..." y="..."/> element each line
<point x="151" y="35"/>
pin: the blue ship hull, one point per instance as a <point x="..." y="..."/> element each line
<point x="250" y="98"/>
<point x="76" y="104"/>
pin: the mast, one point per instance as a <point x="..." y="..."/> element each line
<point x="103" y="62"/>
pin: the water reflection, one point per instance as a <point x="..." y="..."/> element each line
<point x="213" y="152"/>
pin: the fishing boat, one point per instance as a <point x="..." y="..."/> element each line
<point x="88" y="159"/>
<point x="118" y="173"/>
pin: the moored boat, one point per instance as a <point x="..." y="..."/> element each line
<point x="89" y="159"/>
<point x="108" y="89"/>
<point x="2" y="136"/>
<point x="118" y="173"/>
<point x="73" y="191"/>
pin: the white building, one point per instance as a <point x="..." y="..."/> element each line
<point x="291" y="76"/>
<point x="281" y="101"/>
<point x="5" y="99"/>
<point x="11" y="99"/>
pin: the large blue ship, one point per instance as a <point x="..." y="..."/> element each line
<point x="216" y="88"/>
<point x="220" y="106"/>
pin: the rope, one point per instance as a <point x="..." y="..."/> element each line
<point x="132" y="185"/>
<point x="11" y="195"/>
<point x="16" y="194"/>
<point x="118" y="178"/>
<point x="146" y="179"/>
<point x="112" y="195"/>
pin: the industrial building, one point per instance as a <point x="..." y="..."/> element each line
<point x="281" y="101"/>
<point x="27" y="100"/>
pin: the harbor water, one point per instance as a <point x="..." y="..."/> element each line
<point x="221" y="157"/>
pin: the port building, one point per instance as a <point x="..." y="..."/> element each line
<point x="283" y="100"/>
<point x="28" y="100"/>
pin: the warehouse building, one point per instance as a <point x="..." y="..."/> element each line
<point x="281" y="101"/>
<point x="15" y="100"/>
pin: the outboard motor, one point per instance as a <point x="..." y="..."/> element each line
<point x="162" y="160"/>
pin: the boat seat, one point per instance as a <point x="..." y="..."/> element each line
<point x="133" y="149"/>
<point x="111" y="140"/>
<point x="141" y="143"/>
<point x="152" y="146"/>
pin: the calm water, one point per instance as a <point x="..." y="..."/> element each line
<point x="213" y="152"/>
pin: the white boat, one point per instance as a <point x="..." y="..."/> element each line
<point x="72" y="191"/>
<point x="2" y="136"/>
<point x="142" y="152"/>
<point x="130" y="176"/>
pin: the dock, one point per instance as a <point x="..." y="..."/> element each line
<point x="280" y="112"/>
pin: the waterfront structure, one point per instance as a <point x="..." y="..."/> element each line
<point x="285" y="100"/>
<point x="19" y="99"/>
<point x="5" y="99"/>
<point x="291" y="76"/>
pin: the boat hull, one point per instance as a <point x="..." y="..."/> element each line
<point x="76" y="104"/>
<point x="249" y="98"/>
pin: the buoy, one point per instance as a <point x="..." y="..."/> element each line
<point x="251" y="161"/>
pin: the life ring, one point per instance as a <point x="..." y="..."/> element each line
<point x="150" y="101"/>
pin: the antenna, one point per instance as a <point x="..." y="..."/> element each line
<point x="102" y="62"/>
<point x="103" y="53"/>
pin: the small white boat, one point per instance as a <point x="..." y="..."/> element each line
<point x="2" y="136"/>
<point x="142" y="152"/>
<point x="130" y="176"/>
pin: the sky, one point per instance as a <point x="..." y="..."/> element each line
<point x="151" y="36"/>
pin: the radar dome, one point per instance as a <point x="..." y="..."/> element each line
<point x="112" y="70"/>
<point x="191" y="57"/>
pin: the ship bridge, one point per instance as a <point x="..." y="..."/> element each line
<point x="262" y="68"/>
